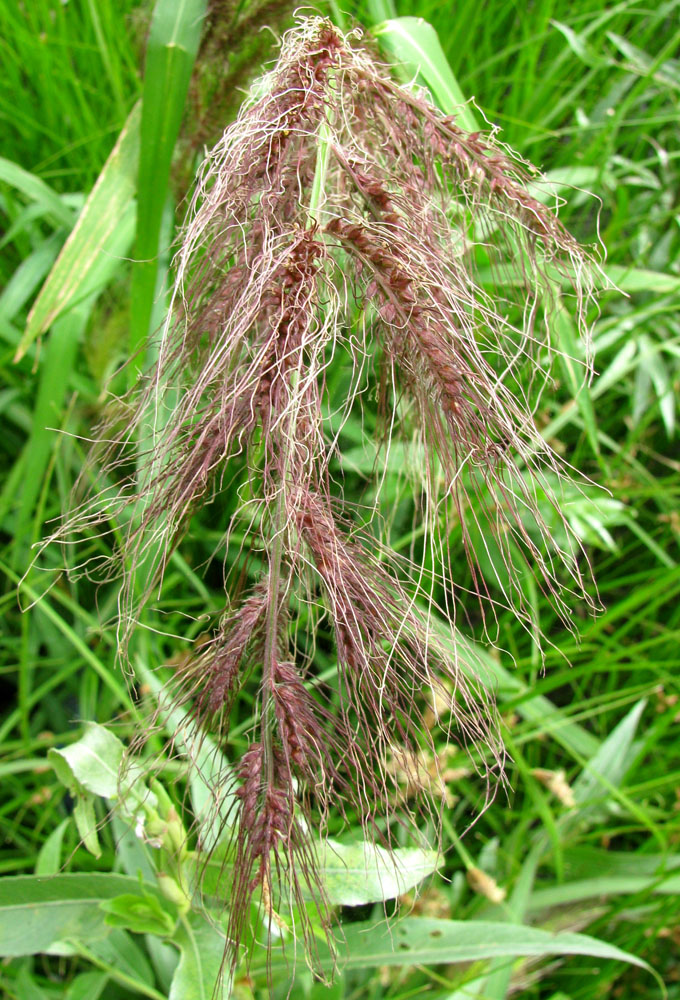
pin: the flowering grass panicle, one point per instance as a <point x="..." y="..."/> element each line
<point x="343" y="222"/>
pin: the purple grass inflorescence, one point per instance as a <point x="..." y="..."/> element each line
<point x="342" y="220"/>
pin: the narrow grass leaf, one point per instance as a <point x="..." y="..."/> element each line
<point x="577" y="386"/>
<point x="27" y="276"/>
<point x="101" y="215"/>
<point x="48" y="861"/>
<point x="601" y="888"/>
<point x="35" y="189"/>
<point x="608" y="766"/>
<point x="173" y="43"/>
<point x="414" y="47"/>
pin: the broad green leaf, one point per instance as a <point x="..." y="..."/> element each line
<point x="37" y="912"/>
<point x="141" y="915"/>
<point x="422" y="941"/>
<point x="202" y="948"/>
<point x="500" y="972"/>
<point x="414" y="47"/>
<point x="92" y="763"/>
<point x="354" y="874"/>
<point x="124" y="959"/>
<point x="87" y="768"/>
<point x="418" y="941"/>
<point x="102" y="215"/>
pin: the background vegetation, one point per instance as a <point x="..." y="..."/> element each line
<point x="589" y="93"/>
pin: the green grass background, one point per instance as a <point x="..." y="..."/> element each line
<point x="587" y="91"/>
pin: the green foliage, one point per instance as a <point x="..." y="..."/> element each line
<point x="587" y="91"/>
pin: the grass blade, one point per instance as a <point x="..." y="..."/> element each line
<point x="98" y="220"/>
<point x="413" y="45"/>
<point x="173" y="44"/>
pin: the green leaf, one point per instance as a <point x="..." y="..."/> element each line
<point x="93" y="235"/>
<point x="86" y="820"/>
<point x="606" y="769"/>
<point x="35" y="189"/>
<point x="174" y="37"/>
<point x="29" y="273"/>
<point x="600" y="888"/>
<point x="421" y="941"/>
<point x="27" y="989"/>
<point x="416" y="941"/>
<point x="354" y="874"/>
<point x="87" y="986"/>
<point x="591" y="862"/>
<point x="513" y="692"/>
<point x="92" y="763"/>
<point x="210" y="768"/>
<point x="37" y="912"/>
<point x="141" y="915"/>
<point x="575" y="373"/>
<point x="413" y="45"/>
<point x="124" y="960"/>
<point x="202" y="947"/>
<point x="49" y="857"/>
<point x="635" y="279"/>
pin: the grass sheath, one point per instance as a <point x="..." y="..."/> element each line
<point x="344" y="217"/>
